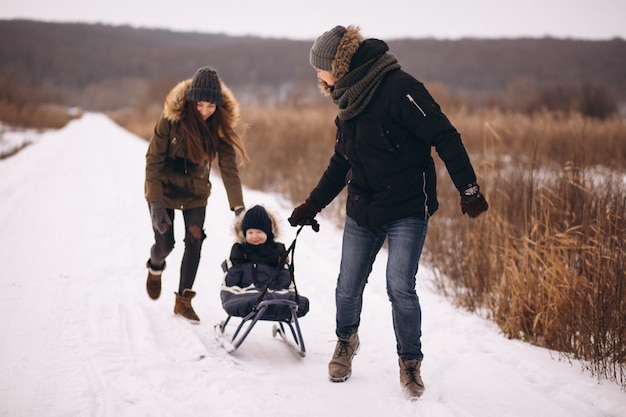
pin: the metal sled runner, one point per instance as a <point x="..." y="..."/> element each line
<point x="270" y="307"/>
<point x="249" y="321"/>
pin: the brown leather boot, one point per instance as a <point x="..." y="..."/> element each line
<point x="411" y="379"/>
<point x="340" y="366"/>
<point x="153" y="283"/>
<point x="183" y="305"/>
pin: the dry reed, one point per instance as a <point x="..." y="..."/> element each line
<point x="547" y="261"/>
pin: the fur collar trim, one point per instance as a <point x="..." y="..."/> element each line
<point x="175" y="103"/>
<point x="348" y="46"/>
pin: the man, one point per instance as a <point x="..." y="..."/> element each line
<point x="387" y="123"/>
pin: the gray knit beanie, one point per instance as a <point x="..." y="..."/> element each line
<point x="205" y="86"/>
<point x="324" y="48"/>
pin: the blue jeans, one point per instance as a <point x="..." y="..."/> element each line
<point x="360" y="246"/>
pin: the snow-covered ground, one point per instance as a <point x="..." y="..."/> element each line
<point x="12" y="140"/>
<point x="80" y="337"/>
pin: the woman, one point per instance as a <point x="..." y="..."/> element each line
<point x="387" y="123"/>
<point x="197" y="126"/>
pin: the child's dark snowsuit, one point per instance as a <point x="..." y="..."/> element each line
<point x="249" y="270"/>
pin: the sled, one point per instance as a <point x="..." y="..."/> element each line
<point x="283" y="310"/>
<point x="295" y="342"/>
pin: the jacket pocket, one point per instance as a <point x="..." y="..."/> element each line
<point x="200" y="184"/>
<point x="358" y="203"/>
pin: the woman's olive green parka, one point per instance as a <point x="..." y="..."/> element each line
<point x="170" y="176"/>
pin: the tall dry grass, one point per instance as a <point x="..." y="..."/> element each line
<point x="290" y="147"/>
<point x="547" y="261"/>
<point x="37" y="116"/>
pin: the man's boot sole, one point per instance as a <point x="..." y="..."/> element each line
<point x="345" y="378"/>
<point x="341" y="379"/>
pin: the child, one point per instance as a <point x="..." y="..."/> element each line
<point x="253" y="261"/>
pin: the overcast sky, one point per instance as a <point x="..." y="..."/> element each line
<point x="385" y="19"/>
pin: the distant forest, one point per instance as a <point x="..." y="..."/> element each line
<point x="103" y="67"/>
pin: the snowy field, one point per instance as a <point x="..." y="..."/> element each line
<point x="80" y="337"/>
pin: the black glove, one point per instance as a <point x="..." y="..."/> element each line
<point x="473" y="203"/>
<point x="160" y="219"/>
<point x="239" y="210"/>
<point x="304" y="214"/>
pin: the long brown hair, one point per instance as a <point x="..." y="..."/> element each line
<point x="202" y="137"/>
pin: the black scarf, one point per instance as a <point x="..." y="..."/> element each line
<point x="355" y="90"/>
<point x="267" y="252"/>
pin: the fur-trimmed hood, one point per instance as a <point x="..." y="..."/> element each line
<point x="174" y="104"/>
<point x="349" y="44"/>
<point x="239" y="233"/>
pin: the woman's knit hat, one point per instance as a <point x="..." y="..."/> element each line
<point x="205" y="86"/>
<point x="257" y="218"/>
<point x="325" y="47"/>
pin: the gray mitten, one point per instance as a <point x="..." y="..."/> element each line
<point x="160" y="219"/>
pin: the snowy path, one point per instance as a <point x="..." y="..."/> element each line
<point x="80" y="337"/>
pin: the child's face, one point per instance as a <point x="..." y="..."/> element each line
<point x="255" y="237"/>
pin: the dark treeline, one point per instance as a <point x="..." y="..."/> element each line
<point x="104" y="67"/>
<point x="491" y="65"/>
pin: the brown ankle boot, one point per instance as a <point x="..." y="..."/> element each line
<point x="340" y="366"/>
<point x="183" y="305"/>
<point x="153" y="283"/>
<point x="410" y="378"/>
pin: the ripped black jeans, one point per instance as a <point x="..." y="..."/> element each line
<point x="194" y="236"/>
